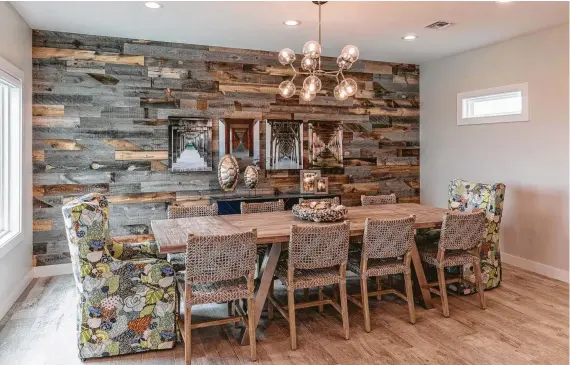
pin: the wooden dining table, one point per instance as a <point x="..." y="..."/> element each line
<point x="273" y="229"/>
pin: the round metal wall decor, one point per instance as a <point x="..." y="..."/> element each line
<point x="251" y="177"/>
<point x="228" y="173"/>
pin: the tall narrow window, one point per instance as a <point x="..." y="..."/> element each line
<point x="500" y="104"/>
<point x="10" y="152"/>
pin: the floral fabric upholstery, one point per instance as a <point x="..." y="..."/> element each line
<point x="125" y="305"/>
<point x="465" y="196"/>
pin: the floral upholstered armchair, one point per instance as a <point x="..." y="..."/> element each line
<point x="466" y="196"/>
<point x="126" y="296"/>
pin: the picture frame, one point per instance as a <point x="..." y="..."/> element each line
<point x="321" y="185"/>
<point x="307" y="181"/>
<point x="189" y="144"/>
<point x="284" y="142"/>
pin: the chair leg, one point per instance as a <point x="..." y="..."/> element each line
<point x="321" y="307"/>
<point x="365" y="306"/>
<point x="230" y="308"/>
<point x="187" y="334"/>
<point x="252" y="328"/>
<point x="269" y="304"/>
<point x="292" y="327"/>
<point x="344" y="308"/>
<point x="479" y="279"/>
<point x="379" y="286"/>
<point x="443" y="290"/>
<point x="410" y="297"/>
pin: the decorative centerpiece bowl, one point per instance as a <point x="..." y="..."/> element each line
<point x="320" y="211"/>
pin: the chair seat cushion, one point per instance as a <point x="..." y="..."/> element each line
<point x="428" y="255"/>
<point x="177" y="260"/>
<point x="308" y="278"/>
<point x="215" y="292"/>
<point x="376" y="267"/>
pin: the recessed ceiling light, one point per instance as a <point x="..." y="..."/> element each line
<point x="503" y="1"/>
<point x="292" y="23"/>
<point x="410" y="37"/>
<point x="153" y="5"/>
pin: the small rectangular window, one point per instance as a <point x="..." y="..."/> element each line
<point x="496" y="105"/>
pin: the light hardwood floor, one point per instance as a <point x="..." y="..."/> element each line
<point x="526" y="322"/>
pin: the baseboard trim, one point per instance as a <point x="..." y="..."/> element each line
<point x="536" y="267"/>
<point x="9" y="301"/>
<point x="52" y="270"/>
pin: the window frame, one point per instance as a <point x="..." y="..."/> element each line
<point x="11" y="159"/>
<point x="499" y="118"/>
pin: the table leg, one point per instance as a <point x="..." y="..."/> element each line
<point x="266" y="278"/>
<point x="422" y="281"/>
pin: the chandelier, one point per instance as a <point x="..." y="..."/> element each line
<point x="311" y="66"/>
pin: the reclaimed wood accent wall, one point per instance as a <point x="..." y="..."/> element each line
<point x="100" y="110"/>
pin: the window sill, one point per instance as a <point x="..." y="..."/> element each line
<point x="9" y="241"/>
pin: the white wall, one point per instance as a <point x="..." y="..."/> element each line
<point x="16" y="47"/>
<point x="530" y="158"/>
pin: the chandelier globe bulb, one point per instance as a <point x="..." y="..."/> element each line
<point x="312" y="49"/>
<point x="286" y="56"/>
<point x="349" y="86"/>
<point x="287" y="89"/>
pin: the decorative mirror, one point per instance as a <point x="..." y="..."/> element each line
<point x="189" y="144"/>
<point x="284" y="141"/>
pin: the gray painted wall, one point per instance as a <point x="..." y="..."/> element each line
<point x="530" y="158"/>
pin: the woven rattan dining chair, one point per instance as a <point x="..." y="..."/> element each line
<point x="378" y="199"/>
<point x="317" y="256"/>
<point x="334" y="200"/>
<point x="178" y="260"/>
<point x="265" y="207"/>
<point x="462" y="235"/>
<point x="386" y="250"/>
<point x="219" y="268"/>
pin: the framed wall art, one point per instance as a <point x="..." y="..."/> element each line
<point x="307" y="179"/>
<point x="189" y="144"/>
<point x="321" y="185"/>
<point x="240" y="138"/>
<point x="325" y="145"/>
<point x="284" y="141"/>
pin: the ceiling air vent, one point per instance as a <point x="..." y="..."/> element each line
<point x="440" y="24"/>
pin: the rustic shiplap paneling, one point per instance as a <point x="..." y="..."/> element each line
<point x="100" y="121"/>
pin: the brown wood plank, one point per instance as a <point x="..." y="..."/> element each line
<point x="141" y="155"/>
<point x="75" y="54"/>
<point x="40" y="225"/>
<point x="48" y="110"/>
<point x="141" y="198"/>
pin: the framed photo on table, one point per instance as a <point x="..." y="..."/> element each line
<point x="307" y="179"/>
<point x="322" y="185"/>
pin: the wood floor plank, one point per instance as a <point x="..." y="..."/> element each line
<point x="526" y="322"/>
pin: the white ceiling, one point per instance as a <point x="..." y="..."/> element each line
<point x="375" y="28"/>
